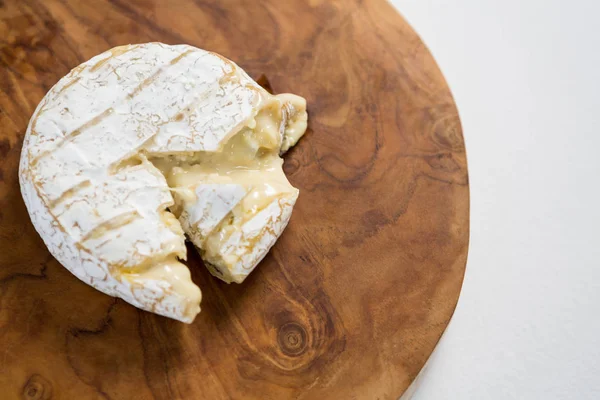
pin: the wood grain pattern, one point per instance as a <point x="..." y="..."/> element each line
<point x="355" y="295"/>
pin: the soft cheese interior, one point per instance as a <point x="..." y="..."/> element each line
<point x="234" y="202"/>
<point x="144" y="143"/>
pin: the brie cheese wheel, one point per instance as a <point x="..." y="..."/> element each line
<point x="144" y="143"/>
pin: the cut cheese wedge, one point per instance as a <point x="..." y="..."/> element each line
<point x="144" y="143"/>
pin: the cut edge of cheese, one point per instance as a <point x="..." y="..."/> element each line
<point x="241" y="242"/>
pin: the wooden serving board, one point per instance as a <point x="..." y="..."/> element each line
<point x="354" y="296"/>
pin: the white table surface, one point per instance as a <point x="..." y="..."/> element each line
<point x="526" y="78"/>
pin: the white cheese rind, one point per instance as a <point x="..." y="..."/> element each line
<point x="297" y="119"/>
<point x="247" y="246"/>
<point x="103" y="216"/>
<point x="212" y="203"/>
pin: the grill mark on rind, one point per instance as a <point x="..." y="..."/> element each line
<point x="146" y="264"/>
<point x="128" y="162"/>
<point x="114" y="52"/>
<point x="68" y="85"/>
<point x="111" y="224"/>
<point x="68" y="138"/>
<point x="75" y="189"/>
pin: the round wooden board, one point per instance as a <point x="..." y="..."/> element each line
<point x="353" y="298"/>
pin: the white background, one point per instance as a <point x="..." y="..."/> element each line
<point x="526" y="78"/>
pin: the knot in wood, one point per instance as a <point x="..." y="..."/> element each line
<point x="37" y="388"/>
<point x="447" y="132"/>
<point x="292" y="339"/>
<point x="290" y="166"/>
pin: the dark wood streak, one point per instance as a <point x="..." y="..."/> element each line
<point x="353" y="298"/>
<point x="46" y="16"/>
<point x="132" y="14"/>
<point x="142" y="339"/>
<point x="75" y="333"/>
<point x="4" y="147"/>
<point x="21" y="275"/>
